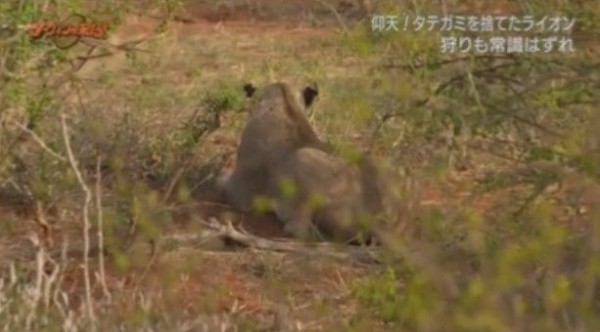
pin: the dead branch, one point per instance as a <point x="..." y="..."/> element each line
<point x="100" y="233"/>
<point x="226" y="231"/>
<point x="39" y="279"/>
<point x="86" y="219"/>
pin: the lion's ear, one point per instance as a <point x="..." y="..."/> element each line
<point x="249" y="89"/>
<point x="309" y="94"/>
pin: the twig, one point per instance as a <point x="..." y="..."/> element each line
<point x="41" y="220"/>
<point x="126" y="46"/>
<point x="153" y="258"/>
<point x="439" y="89"/>
<point x="61" y="276"/>
<point x="37" y="293"/>
<point x="520" y="119"/>
<point x="86" y="219"/>
<point x="83" y="61"/>
<point x="100" y="232"/>
<point x="173" y="182"/>
<point x="534" y="195"/>
<point x="40" y="142"/>
<point x="50" y="281"/>
<point x="337" y="15"/>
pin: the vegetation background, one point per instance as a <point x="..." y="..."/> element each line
<point x="112" y="144"/>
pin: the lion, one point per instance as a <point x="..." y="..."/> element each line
<point x="283" y="166"/>
<point x="276" y="124"/>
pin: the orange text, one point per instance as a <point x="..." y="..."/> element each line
<point x="51" y="29"/>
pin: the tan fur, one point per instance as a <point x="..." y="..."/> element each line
<point x="348" y="200"/>
<point x="276" y="124"/>
<point x="282" y="159"/>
